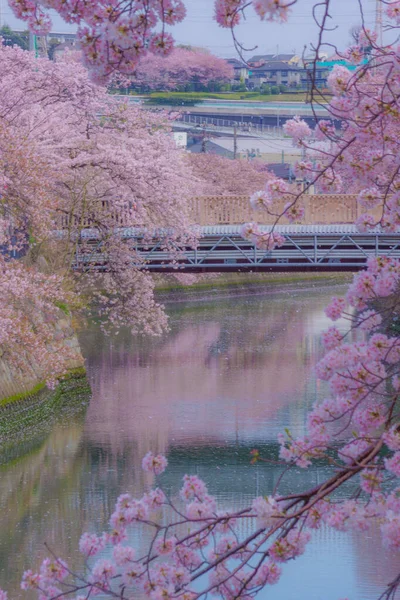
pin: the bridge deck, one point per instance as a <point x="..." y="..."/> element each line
<point x="221" y="248"/>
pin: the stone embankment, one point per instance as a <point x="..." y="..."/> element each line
<point x="28" y="408"/>
<point x="16" y="383"/>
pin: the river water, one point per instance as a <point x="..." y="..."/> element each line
<point x="230" y="374"/>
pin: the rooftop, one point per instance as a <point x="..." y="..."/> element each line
<point x="235" y="63"/>
<point x="272" y="57"/>
<point x="274" y="66"/>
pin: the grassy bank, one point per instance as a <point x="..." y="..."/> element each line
<point x="232" y="281"/>
<point x="27" y="414"/>
<point x="254" y="96"/>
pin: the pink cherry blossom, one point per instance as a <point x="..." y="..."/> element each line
<point x="365" y="222"/>
<point x="294" y="212"/>
<point x="288" y="547"/>
<point x="53" y="145"/>
<point x="391" y="531"/>
<point x="369" y="320"/>
<point x="199" y="510"/>
<point x="335" y="309"/>
<point x="179" y="66"/>
<point x="102" y="573"/>
<point x="31" y="580"/>
<point x="369" y="198"/>
<point x="154" y="499"/>
<point x="266" y="509"/>
<point x="154" y="464"/>
<point x="391" y="437"/>
<point x="268" y="573"/>
<point x="393" y="464"/>
<point x="260" y="200"/>
<point x="123" y="555"/>
<point x="297" y="129"/>
<point x="193" y="487"/>
<point x="272" y="10"/>
<point x="53" y="570"/>
<point x="338" y="79"/>
<point x="275" y="188"/>
<point x="90" y="544"/>
<point x="331" y="338"/>
<point x="165" y="546"/>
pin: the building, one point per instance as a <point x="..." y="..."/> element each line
<point x="241" y="71"/>
<point x="275" y="70"/>
<point x="56" y="50"/>
<point x="290" y="59"/>
<point x="275" y="74"/>
<point x="62" y="37"/>
<point x="210" y="147"/>
<point x="318" y="74"/>
<point x="321" y="70"/>
<point x="45" y="45"/>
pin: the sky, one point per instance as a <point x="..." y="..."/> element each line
<point x="200" y="29"/>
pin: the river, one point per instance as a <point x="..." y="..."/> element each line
<point x="228" y="376"/>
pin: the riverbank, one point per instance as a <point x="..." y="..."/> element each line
<point x="25" y="379"/>
<point x="28" y="408"/>
<point x="242" y="284"/>
<point x="248" y="96"/>
<point x="34" y="413"/>
<point x="31" y="410"/>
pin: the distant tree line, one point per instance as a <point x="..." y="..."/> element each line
<point x="21" y="39"/>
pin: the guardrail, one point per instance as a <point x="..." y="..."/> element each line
<point x="221" y="248"/>
<point x="229" y="124"/>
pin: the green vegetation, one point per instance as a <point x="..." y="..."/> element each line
<point x="25" y="414"/>
<point x="72" y="374"/>
<point x="249" y="280"/>
<point x="23" y="395"/>
<point x="175" y="98"/>
<point x="14" y="38"/>
<point x="63" y="307"/>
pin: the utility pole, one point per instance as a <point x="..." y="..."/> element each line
<point x="203" y="141"/>
<point x="378" y="22"/>
<point x="33" y="43"/>
<point x="235" y="141"/>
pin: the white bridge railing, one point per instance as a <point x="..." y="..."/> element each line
<point x="235" y="210"/>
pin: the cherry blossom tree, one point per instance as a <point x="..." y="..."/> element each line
<point x="219" y="176"/>
<point x="115" y="37"/>
<point x="180" y="67"/>
<point x="29" y="311"/>
<point x="72" y="157"/>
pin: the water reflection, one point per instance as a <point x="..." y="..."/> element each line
<point x="228" y="376"/>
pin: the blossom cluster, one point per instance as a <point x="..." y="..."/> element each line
<point x="228" y="13"/>
<point x="264" y="239"/>
<point x="115" y="37"/>
<point x="64" y="171"/>
<point x="174" y="561"/>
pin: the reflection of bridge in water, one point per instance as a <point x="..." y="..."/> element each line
<point x="329" y="241"/>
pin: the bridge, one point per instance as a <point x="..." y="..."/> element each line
<point x="329" y="241"/>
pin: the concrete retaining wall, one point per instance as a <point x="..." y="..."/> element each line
<point x="15" y="382"/>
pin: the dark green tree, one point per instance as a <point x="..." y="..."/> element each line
<point x="14" y="38"/>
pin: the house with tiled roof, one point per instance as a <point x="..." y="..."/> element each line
<point x="275" y="73"/>
<point x="291" y="59"/>
<point x="241" y="71"/>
